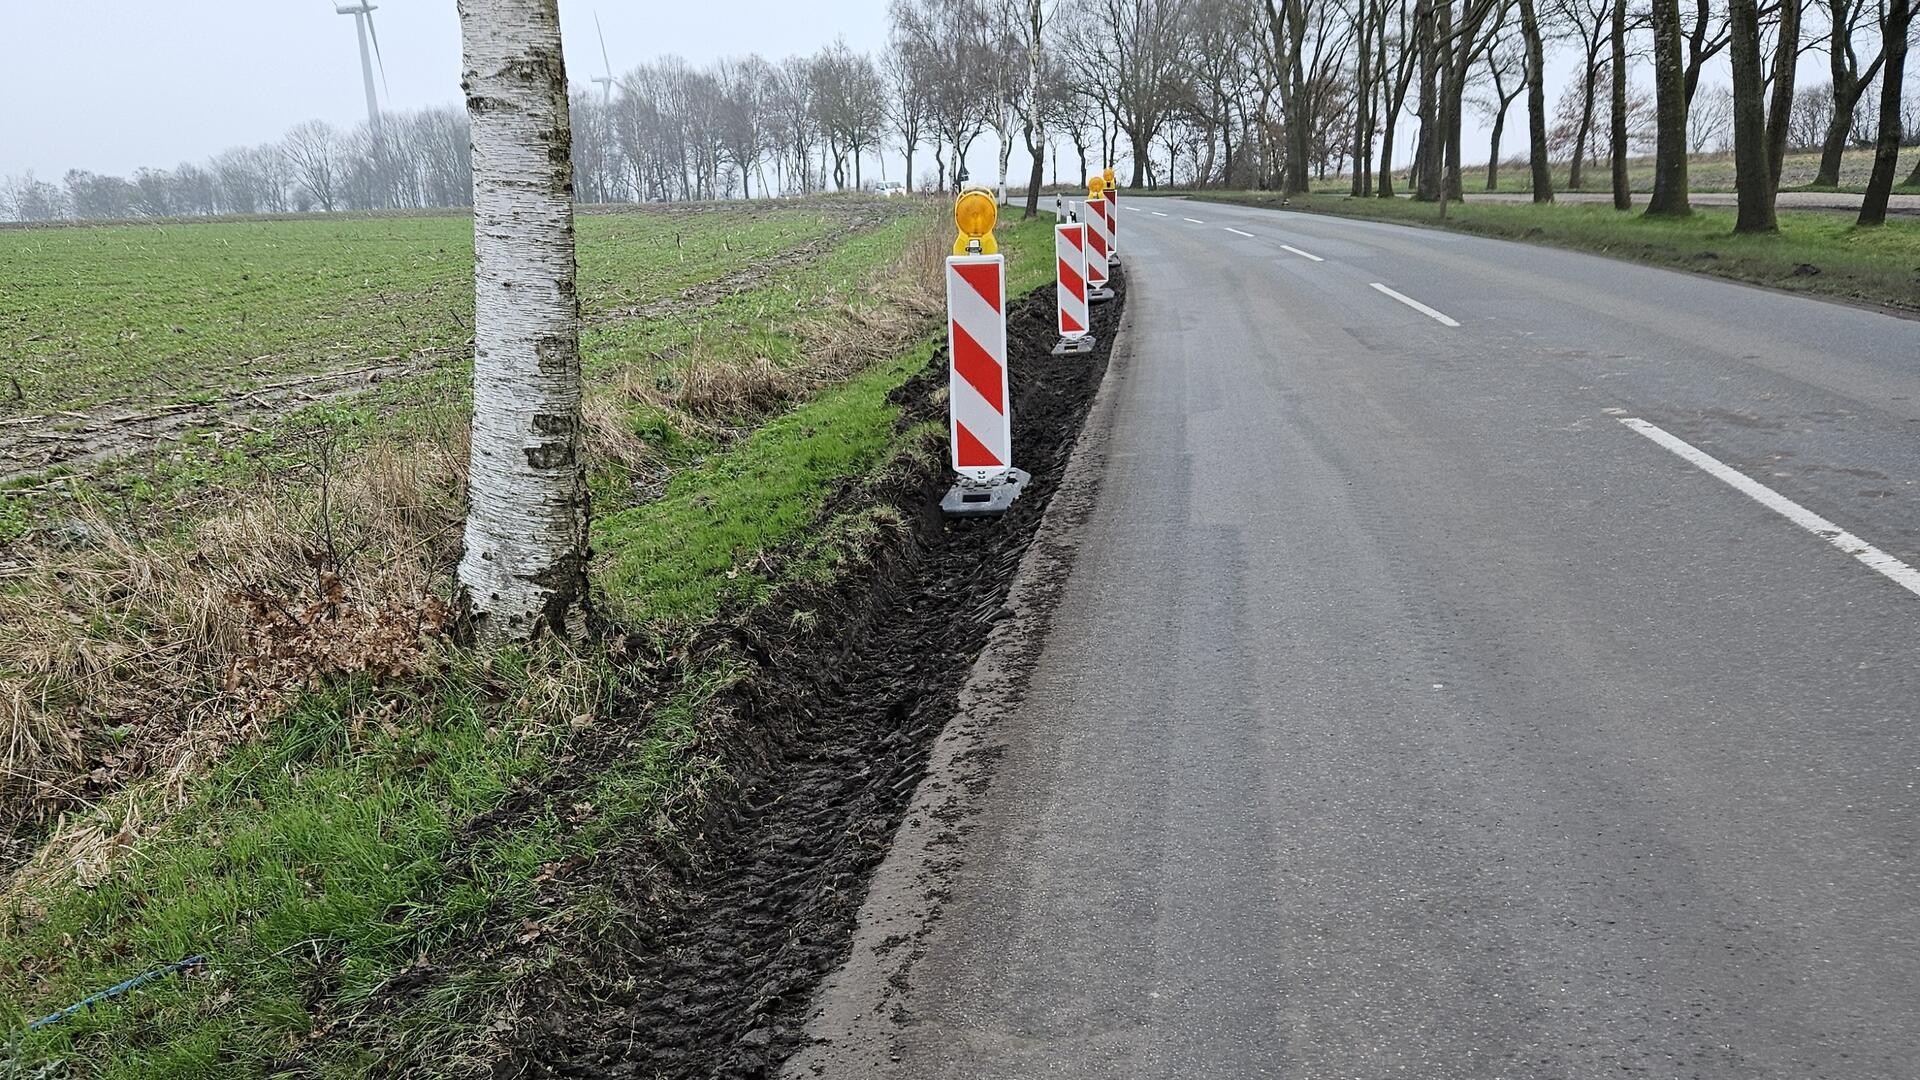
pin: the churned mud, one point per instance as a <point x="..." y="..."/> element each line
<point x="831" y="733"/>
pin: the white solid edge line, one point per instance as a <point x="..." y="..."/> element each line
<point x="1157" y="213"/>
<point x="1193" y="220"/>
<point x="1416" y="305"/>
<point x="1302" y="254"/>
<point x="1237" y="232"/>
<point x="1899" y="572"/>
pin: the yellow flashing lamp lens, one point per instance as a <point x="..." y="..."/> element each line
<point x="1108" y="176"/>
<point x="974" y="215"/>
<point x="1095" y="186"/>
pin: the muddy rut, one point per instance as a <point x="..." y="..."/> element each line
<point x="712" y="975"/>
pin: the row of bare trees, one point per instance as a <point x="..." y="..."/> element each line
<point x="739" y="127"/>
<point x="1241" y="93"/>
<point x="420" y="159"/>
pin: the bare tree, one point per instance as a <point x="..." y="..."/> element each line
<point x="1850" y="77"/>
<point x="1032" y="105"/>
<point x="24" y="198"/>
<point x="1366" y="16"/>
<point x="1755" y="212"/>
<point x="97" y="197"/>
<point x="1397" y="67"/>
<point x="743" y="86"/>
<point x="1585" y="23"/>
<point x="1617" y="130"/>
<point x="1542" y="169"/>
<point x="1786" y="64"/>
<point x="795" y="131"/>
<point x="524" y="571"/>
<point x="312" y="150"/>
<point x="1705" y="39"/>
<point x="1894" y="31"/>
<point x="908" y="89"/>
<point x="1506" y="68"/>
<point x="1759" y="139"/>
<point x="942" y="34"/>
<point x="1710" y="121"/>
<point x="1670" y="96"/>
<point x="1140" y="43"/>
<point x="999" y="50"/>
<point x="1077" y="113"/>
<point x="849" y="103"/>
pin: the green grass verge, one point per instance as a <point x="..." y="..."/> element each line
<point x="1818" y="253"/>
<point x="318" y="864"/>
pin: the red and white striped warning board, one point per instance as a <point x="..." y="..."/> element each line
<point x="1070" y="258"/>
<point x="1096" y="221"/>
<point x="1111" y="196"/>
<point x="980" y="416"/>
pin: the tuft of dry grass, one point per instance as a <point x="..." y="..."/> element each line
<point x="131" y="657"/>
<point x="716" y="389"/>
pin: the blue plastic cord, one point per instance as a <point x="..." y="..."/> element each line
<point x="111" y="992"/>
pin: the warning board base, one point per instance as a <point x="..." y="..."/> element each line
<point x="1075" y="346"/>
<point x="971" y="499"/>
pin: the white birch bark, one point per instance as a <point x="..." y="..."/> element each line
<point x="524" y="570"/>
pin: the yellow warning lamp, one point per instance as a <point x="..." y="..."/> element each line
<point x="974" y="214"/>
<point x="1108" y="176"/>
<point x="1096" y="187"/>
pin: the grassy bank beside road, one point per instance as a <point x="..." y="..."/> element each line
<point x="362" y="794"/>
<point x="1817" y="253"/>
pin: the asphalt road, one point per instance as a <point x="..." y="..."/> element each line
<point x="1408" y="714"/>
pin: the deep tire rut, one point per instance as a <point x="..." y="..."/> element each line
<point x="831" y="735"/>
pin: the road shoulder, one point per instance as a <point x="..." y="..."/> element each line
<point x="856" y="1015"/>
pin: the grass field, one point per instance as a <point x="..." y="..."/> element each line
<point x="233" y="727"/>
<point x="1819" y="253"/>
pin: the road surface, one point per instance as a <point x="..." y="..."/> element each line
<point x="1457" y="678"/>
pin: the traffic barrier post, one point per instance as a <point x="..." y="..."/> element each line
<point x="1113" y="216"/>
<point x="979" y="405"/>
<point x="1096" y="220"/>
<point x="1070" y="289"/>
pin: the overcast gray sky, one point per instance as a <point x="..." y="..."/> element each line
<point x="111" y="85"/>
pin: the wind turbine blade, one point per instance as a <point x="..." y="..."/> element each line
<point x="603" y="43"/>
<point x="375" y="34"/>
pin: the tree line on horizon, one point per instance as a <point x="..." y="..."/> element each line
<point x="1268" y="94"/>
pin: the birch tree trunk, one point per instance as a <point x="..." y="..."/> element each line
<point x="524" y="571"/>
<point x="1036" y="130"/>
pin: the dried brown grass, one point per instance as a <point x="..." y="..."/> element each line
<point x="128" y="662"/>
<point x="128" y="657"/>
<point x="841" y="336"/>
<point x="710" y="393"/>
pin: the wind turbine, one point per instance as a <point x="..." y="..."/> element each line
<point x="362" y="13"/>
<point x="605" y="81"/>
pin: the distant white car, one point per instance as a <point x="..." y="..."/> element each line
<point x="889" y="188"/>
